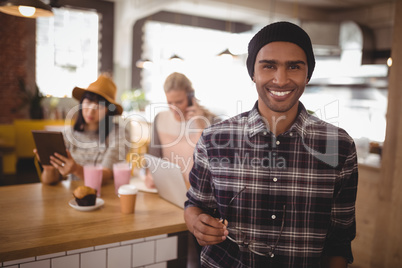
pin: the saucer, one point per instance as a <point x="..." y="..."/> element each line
<point x="98" y="204"/>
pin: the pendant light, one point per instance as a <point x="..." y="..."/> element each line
<point x="26" y="8"/>
<point x="226" y="53"/>
<point x="144" y="64"/>
<point x="175" y="57"/>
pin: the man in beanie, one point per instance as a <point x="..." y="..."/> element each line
<point x="274" y="186"/>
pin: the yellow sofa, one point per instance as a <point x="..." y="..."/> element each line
<point x="18" y="137"/>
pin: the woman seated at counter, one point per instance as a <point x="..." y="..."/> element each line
<point x="175" y="132"/>
<point x="95" y="138"/>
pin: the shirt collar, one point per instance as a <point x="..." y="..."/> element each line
<point x="256" y="123"/>
<point x="301" y="121"/>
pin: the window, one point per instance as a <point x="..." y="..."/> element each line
<point x="359" y="110"/>
<point x="225" y="79"/>
<point x="341" y="93"/>
<point x="67" y="49"/>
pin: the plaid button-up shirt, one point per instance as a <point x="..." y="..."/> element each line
<point x="311" y="169"/>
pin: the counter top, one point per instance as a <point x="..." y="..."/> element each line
<point x="376" y="168"/>
<point x="36" y="219"/>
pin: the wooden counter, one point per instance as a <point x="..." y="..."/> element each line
<point x="36" y="219"/>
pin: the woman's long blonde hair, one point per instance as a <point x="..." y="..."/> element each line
<point x="178" y="81"/>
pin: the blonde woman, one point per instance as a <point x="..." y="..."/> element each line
<point x="175" y="132"/>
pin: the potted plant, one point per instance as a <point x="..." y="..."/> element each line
<point x="134" y="100"/>
<point x="33" y="99"/>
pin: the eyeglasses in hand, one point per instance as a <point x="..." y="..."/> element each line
<point x="237" y="236"/>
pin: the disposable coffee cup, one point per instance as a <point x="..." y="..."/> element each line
<point x="128" y="196"/>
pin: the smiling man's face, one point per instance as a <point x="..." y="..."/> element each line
<point x="280" y="75"/>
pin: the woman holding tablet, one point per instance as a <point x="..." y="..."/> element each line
<point x="95" y="138"/>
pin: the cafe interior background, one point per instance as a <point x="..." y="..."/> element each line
<point x="140" y="42"/>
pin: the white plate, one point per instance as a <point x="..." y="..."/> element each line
<point x="98" y="204"/>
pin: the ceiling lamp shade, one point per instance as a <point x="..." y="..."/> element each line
<point x="26" y="8"/>
<point x="226" y="52"/>
<point x="174" y="57"/>
<point x="144" y="64"/>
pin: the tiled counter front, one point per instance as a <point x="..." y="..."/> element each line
<point x="43" y="231"/>
<point x="160" y="251"/>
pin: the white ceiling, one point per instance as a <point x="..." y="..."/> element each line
<point x="322" y="16"/>
<point x="335" y="4"/>
<point x="253" y="11"/>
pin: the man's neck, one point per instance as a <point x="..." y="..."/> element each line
<point x="278" y="123"/>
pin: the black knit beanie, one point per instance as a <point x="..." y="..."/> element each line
<point x="280" y="31"/>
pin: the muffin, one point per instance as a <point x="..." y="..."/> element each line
<point x="85" y="196"/>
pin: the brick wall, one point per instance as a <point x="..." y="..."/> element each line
<point x="17" y="60"/>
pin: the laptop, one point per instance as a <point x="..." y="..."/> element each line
<point x="168" y="180"/>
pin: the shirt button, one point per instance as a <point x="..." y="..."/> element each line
<point x="275" y="179"/>
<point x="278" y="142"/>
<point x="273" y="217"/>
<point x="265" y="133"/>
<point x="291" y="134"/>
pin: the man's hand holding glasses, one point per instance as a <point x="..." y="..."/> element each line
<point x="237" y="236"/>
<point x="207" y="229"/>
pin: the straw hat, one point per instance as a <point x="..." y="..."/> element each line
<point x="103" y="86"/>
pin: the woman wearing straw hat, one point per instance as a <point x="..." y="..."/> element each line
<point x="95" y="138"/>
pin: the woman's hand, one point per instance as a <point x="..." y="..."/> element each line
<point x="50" y="175"/>
<point x="50" y="168"/>
<point x="193" y="110"/>
<point x="65" y="165"/>
<point x="196" y="113"/>
<point x="35" y="151"/>
<point x="149" y="181"/>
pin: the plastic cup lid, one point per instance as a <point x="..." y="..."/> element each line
<point x="127" y="189"/>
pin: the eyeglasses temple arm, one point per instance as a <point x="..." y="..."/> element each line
<point x="280" y="233"/>
<point x="231" y="201"/>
